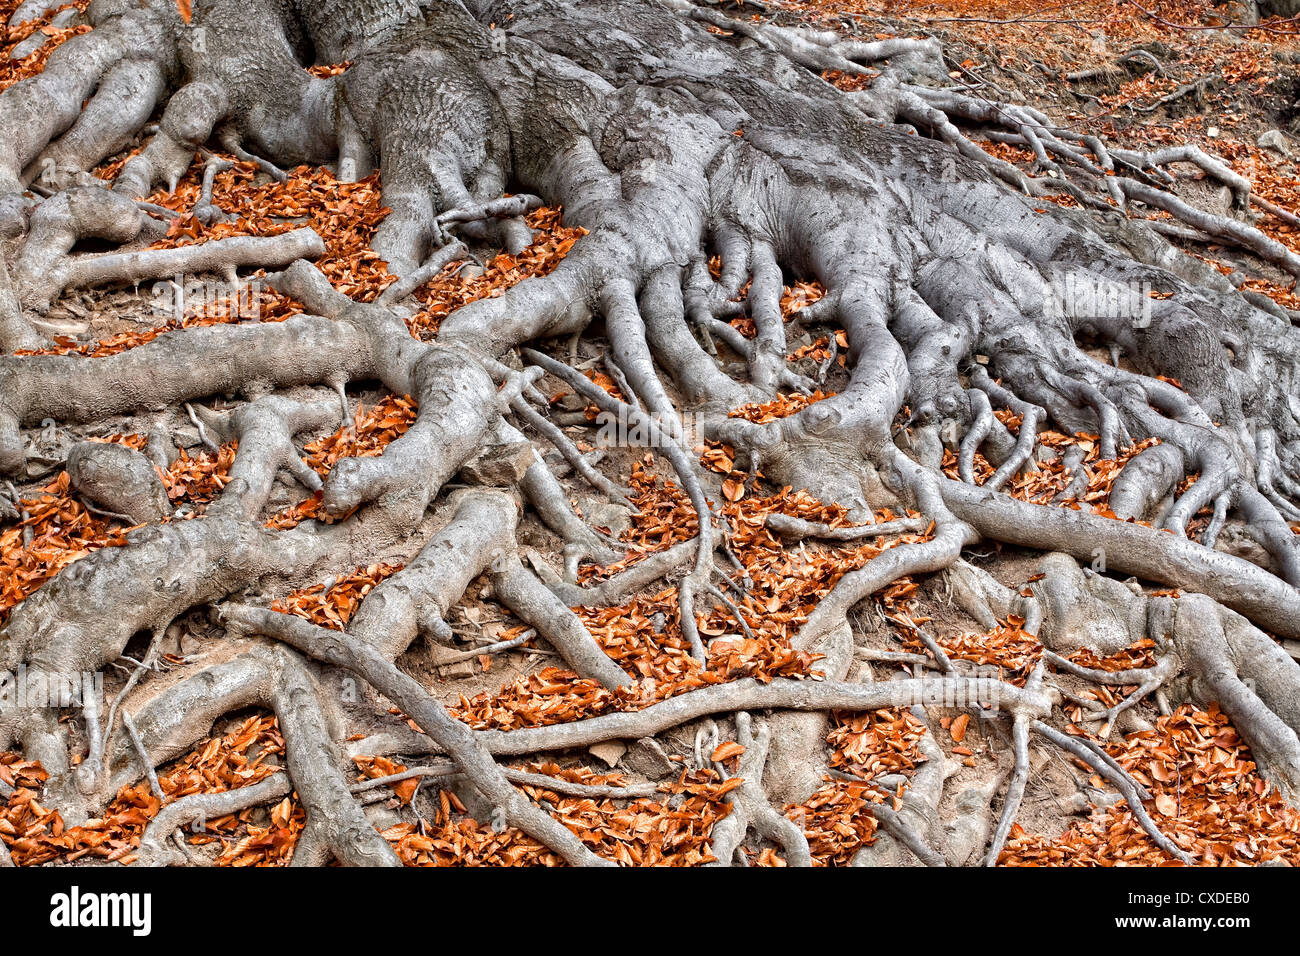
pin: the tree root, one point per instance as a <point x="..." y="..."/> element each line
<point x="199" y="808"/>
<point x="120" y="479"/>
<point x="450" y="734"/>
<point x="223" y="256"/>
<point x="750" y="807"/>
<point x="946" y="284"/>
<point x="915" y="825"/>
<point x="15" y="331"/>
<point x="521" y="591"/>
<point x="313" y="763"/>
<point x="1108" y="769"/>
<point x="37" y="110"/>
<point x="1132" y="549"/>
<point x="1019" y="777"/>
<point x="750" y="695"/>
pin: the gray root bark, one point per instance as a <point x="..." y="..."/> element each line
<point x="933" y="259"/>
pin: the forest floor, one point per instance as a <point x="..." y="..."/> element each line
<point x="1170" y="72"/>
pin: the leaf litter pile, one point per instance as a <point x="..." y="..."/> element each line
<point x="1207" y="792"/>
<point x="671" y="829"/>
<point x="248" y="754"/>
<point x="13" y="69"/>
<point x="1208" y="799"/>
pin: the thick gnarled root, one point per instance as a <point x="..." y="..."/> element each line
<point x="130" y="42"/>
<point x="941" y="279"/>
<point x="457" y="739"/>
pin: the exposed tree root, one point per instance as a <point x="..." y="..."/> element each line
<point x="451" y="734"/>
<point x="750" y="806"/>
<point x="705" y="167"/>
<point x="750" y="695"/>
<point x="915" y="826"/>
<point x="198" y="807"/>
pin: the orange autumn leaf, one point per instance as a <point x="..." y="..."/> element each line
<point x="405" y="790"/>
<point x="727" y="751"/>
<point x="958" y="728"/>
<point x="280" y="815"/>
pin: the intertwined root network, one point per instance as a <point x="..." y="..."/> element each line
<point x="707" y="159"/>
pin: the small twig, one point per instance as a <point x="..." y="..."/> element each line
<point x="496" y="648"/>
<point x="208" y="443"/>
<point x="136" y="742"/>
